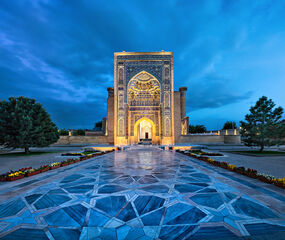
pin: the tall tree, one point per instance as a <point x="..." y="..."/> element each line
<point x="230" y="125"/>
<point x="98" y="126"/>
<point x="63" y="132"/>
<point x="262" y="125"/>
<point x="25" y="123"/>
<point x="79" y="132"/>
<point x="197" y="129"/>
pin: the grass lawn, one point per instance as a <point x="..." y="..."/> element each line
<point x="14" y="154"/>
<point x="257" y="153"/>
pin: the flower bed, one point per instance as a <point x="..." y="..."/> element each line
<point x="54" y="165"/>
<point x="3" y="178"/>
<point x="72" y="154"/>
<point x="44" y="168"/>
<point x="32" y="172"/>
<point x="252" y="173"/>
<point x="27" y="172"/>
<point x="16" y="175"/>
<point x="14" y="178"/>
<point x="64" y="164"/>
<point x="200" y="152"/>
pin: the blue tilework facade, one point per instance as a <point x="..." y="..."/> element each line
<point x="137" y="63"/>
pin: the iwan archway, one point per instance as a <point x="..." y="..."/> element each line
<point x="144" y="94"/>
<point x="145" y="130"/>
<point x="143" y="89"/>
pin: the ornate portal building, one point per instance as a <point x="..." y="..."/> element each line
<point x="143" y="105"/>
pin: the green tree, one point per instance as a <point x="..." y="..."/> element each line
<point x="230" y="125"/>
<point x="63" y="132"/>
<point x="25" y="123"/>
<point x="197" y="129"/>
<point x="98" y="126"/>
<point x="279" y="132"/>
<point x="262" y="125"/>
<point x="79" y="132"/>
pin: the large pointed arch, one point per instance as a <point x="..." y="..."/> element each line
<point x="143" y="90"/>
<point x="138" y="123"/>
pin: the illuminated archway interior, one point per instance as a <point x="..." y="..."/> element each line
<point x="144" y="90"/>
<point x="145" y="130"/>
<point x="144" y="107"/>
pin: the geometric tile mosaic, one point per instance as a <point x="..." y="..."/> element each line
<point x="141" y="193"/>
<point x="252" y="209"/>
<point x="217" y="232"/>
<point x="181" y="213"/>
<point x="212" y="200"/>
<point x="51" y="200"/>
<point x="145" y="204"/>
<point x="11" y="208"/>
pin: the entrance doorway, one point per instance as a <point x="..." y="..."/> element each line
<point x="145" y="130"/>
<point x="146" y="135"/>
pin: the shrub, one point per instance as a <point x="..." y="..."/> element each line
<point x="232" y="167"/>
<point x="197" y="129"/>
<point x="63" y="132"/>
<point x="230" y="125"/>
<point x="79" y="132"/>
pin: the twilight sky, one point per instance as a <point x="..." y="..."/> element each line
<point x="228" y="53"/>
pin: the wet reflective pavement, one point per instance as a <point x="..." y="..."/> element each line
<point x="141" y="193"/>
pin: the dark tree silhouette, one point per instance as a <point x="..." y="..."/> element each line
<point x="230" y="125"/>
<point x="262" y="126"/>
<point x="25" y="123"/>
<point x="197" y="129"/>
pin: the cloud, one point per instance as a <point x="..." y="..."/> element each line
<point x="213" y="91"/>
<point x="61" y="52"/>
<point x="76" y="115"/>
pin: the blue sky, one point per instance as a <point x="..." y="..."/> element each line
<point x="228" y="53"/>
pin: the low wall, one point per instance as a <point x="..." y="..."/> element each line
<point x="102" y="139"/>
<point x="202" y="139"/>
<point x="94" y="133"/>
<point x="82" y="139"/>
<point x="232" y="139"/>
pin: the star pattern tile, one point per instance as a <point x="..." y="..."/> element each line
<point x="140" y="193"/>
<point x="252" y="209"/>
<point x="212" y="200"/>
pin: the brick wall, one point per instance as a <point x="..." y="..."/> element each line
<point x="230" y="139"/>
<point x="82" y="139"/>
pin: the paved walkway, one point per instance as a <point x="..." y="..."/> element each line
<point x="14" y="163"/>
<point x="141" y="193"/>
<point x="271" y="165"/>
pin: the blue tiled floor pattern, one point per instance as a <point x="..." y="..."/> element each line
<point x="142" y="193"/>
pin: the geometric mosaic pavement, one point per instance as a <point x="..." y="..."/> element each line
<point x="141" y="193"/>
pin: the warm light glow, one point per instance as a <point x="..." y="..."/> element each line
<point x="145" y="130"/>
<point x="146" y="122"/>
<point x="144" y="90"/>
<point x="104" y="148"/>
<point x="182" y="148"/>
